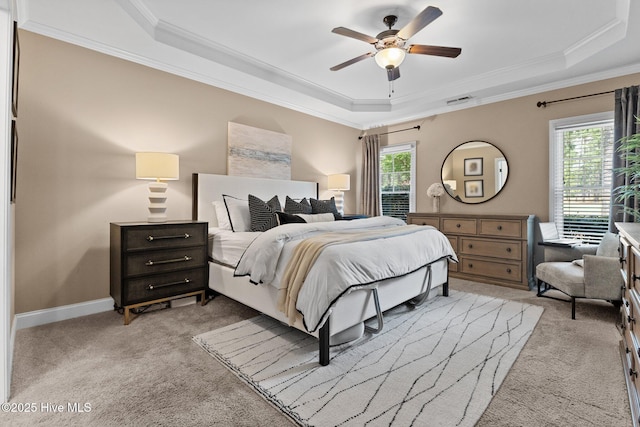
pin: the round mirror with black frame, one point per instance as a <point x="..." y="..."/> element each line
<point x="474" y="172"/>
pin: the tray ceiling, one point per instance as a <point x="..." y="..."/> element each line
<point x="280" y="51"/>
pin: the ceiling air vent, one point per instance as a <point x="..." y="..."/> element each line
<point x="459" y="100"/>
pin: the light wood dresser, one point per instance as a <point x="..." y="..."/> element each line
<point x="496" y="249"/>
<point x="630" y="312"/>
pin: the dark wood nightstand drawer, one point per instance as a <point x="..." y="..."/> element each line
<point x="163" y="261"/>
<point x="169" y="236"/>
<point x="150" y="288"/>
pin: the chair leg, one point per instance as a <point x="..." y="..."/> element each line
<point x="573" y="308"/>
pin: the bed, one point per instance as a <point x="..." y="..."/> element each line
<point x="343" y="317"/>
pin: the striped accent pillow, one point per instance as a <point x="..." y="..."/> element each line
<point x="293" y="207"/>
<point x="263" y="214"/>
<point x="325" y="206"/>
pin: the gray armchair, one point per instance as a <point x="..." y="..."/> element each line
<point x="593" y="276"/>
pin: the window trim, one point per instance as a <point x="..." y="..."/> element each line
<point x="397" y="148"/>
<point x="554" y="125"/>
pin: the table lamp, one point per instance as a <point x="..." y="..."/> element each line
<point x="158" y="167"/>
<point x="339" y="183"/>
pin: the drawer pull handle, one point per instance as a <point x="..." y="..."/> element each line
<point x="633" y="373"/>
<point x="168" y="261"/>
<point x="499" y="227"/>
<point x="637" y="351"/>
<point x="626" y="303"/>
<point x="470" y="246"/>
<point x="509" y="250"/>
<point x="164" y="285"/>
<point x="509" y="270"/>
<point x="470" y="265"/>
<point x="631" y="319"/>
<point x="458" y="225"/>
<point x="179" y="236"/>
<point x="634" y="277"/>
<point x="626" y="349"/>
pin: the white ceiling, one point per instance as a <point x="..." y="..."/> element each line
<point x="280" y="51"/>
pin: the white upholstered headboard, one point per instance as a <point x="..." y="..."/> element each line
<point x="209" y="187"/>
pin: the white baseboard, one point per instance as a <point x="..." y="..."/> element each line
<point x="56" y="314"/>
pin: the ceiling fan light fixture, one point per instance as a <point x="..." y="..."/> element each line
<point x="390" y="57"/>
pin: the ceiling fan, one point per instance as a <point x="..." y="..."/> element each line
<point x="390" y="44"/>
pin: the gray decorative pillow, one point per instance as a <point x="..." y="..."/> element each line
<point x="293" y="207"/>
<point x="325" y="206"/>
<point x="263" y="214"/>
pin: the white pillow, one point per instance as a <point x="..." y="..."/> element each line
<point x="323" y="217"/>
<point x="238" y="211"/>
<point x="221" y="215"/>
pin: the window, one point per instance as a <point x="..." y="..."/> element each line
<point x="581" y="151"/>
<point x="397" y="179"/>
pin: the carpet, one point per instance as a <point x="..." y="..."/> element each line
<point x="439" y="364"/>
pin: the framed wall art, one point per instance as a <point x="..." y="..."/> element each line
<point x="14" y="160"/>
<point x="16" y="71"/>
<point x="474" y="188"/>
<point x="473" y="166"/>
<point x="258" y="153"/>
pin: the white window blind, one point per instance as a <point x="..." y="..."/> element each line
<point x="581" y="173"/>
<point x="397" y="179"/>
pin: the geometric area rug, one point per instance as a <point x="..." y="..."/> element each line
<point x="437" y="365"/>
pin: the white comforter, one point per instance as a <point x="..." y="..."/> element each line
<point x="344" y="267"/>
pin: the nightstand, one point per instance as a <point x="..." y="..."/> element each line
<point x="157" y="262"/>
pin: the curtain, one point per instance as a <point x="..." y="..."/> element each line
<point x="371" y="175"/>
<point x="626" y="112"/>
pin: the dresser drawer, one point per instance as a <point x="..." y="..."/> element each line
<point x="168" y="236"/>
<point x="152" y="262"/>
<point x="497" y="270"/>
<point x="458" y="226"/>
<point x="634" y="267"/>
<point x="158" y="286"/>
<point x="424" y="220"/>
<point x="503" y="249"/>
<point x="500" y="228"/>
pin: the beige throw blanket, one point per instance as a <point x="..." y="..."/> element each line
<point x="306" y="253"/>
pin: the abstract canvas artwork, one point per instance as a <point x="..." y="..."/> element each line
<point x="258" y="153"/>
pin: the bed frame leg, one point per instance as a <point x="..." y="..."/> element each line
<point x="324" y="335"/>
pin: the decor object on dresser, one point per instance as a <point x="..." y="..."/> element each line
<point x="339" y="183"/>
<point x="159" y="167"/>
<point x="480" y="168"/>
<point x="436" y="365"/>
<point x="496" y="249"/>
<point x="630" y="342"/>
<point x="153" y="263"/>
<point x="593" y="276"/>
<point x="435" y="191"/>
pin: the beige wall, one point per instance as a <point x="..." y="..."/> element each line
<point x="83" y="115"/>
<point x="518" y="128"/>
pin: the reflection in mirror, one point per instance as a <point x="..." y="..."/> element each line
<point x="474" y="172"/>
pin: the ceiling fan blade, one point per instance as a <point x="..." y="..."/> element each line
<point x="423" y="19"/>
<point x="355" y="35"/>
<point x="421" y="49"/>
<point x="352" y="61"/>
<point x="393" y="73"/>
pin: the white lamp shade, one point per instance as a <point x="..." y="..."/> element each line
<point x="339" y="182"/>
<point x="390" y="57"/>
<point x="158" y="166"/>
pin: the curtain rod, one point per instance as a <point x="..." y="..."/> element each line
<point x="545" y="103"/>
<point x="394" y="131"/>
